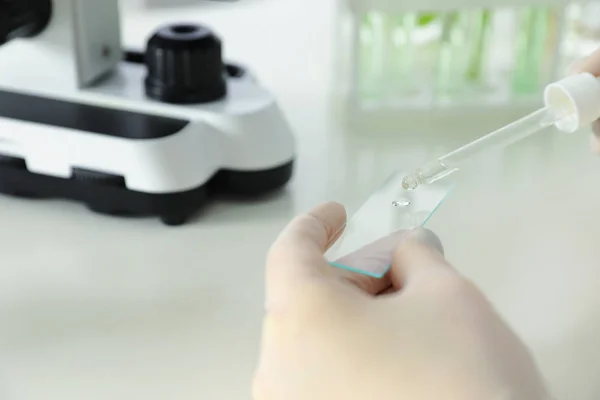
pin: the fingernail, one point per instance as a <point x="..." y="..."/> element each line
<point x="427" y="237"/>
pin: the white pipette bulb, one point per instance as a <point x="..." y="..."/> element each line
<point x="577" y="98"/>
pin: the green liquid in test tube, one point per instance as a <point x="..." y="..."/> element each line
<point x="531" y="48"/>
<point x="400" y="54"/>
<point x="463" y="50"/>
<point x="481" y="22"/>
<point x="451" y="53"/>
<point x="370" y="58"/>
<point x="426" y="41"/>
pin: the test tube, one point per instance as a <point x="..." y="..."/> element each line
<point x="451" y="55"/>
<point x="370" y="58"/>
<point x="426" y="44"/>
<point x="481" y="21"/>
<point x="531" y="47"/>
<point x="400" y="63"/>
<point x="463" y="51"/>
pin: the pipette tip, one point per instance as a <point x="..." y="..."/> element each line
<point x="410" y="182"/>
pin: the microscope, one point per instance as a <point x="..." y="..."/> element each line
<point x="154" y="133"/>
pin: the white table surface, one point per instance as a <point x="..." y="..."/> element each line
<point x="102" y="308"/>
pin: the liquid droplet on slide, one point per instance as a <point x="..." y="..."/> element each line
<point x="401" y="203"/>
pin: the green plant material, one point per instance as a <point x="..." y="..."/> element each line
<point x="475" y="70"/>
<point x="533" y="31"/>
<point x="427" y="18"/>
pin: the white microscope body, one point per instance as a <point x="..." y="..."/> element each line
<point x="130" y="133"/>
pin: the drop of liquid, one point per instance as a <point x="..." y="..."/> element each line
<point x="410" y="182"/>
<point x="401" y="203"/>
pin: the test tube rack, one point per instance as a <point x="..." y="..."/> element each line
<point x="460" y="62"/>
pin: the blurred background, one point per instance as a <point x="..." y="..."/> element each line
<point x="97" y="308"/>
<point x="413" y="73"/>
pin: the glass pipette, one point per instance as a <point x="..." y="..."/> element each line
<point x="570" y="103"/>
<point x="503" y="137"/>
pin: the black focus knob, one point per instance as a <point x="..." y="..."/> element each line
<point x="23" y="18"/>
<point x="185" y="65"/>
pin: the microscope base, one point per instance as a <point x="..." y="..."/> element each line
<point x="157" y="132"/>
<point x="106" y="194"/>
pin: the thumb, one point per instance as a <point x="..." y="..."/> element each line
<point x="298" y="253"/>
<point x="419" y="254"/>
<point x="307" y="237"/>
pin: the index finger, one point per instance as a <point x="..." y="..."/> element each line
<point x="297" y="257"/>
<point x="590" y="64"/>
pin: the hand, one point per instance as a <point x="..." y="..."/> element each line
<point x="421" y="333"/>
<point x="590" y="64"/>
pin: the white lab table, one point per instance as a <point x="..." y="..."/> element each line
<point x="97" y="308"/>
